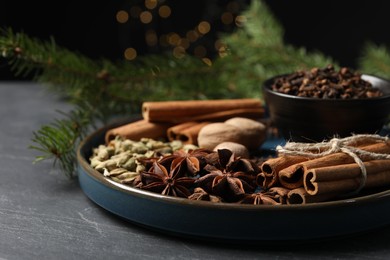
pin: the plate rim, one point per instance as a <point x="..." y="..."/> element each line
<point x="82" y="161"/>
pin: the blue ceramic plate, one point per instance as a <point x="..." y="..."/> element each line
<point x="227" y="221"/>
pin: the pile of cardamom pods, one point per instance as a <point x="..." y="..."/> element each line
<point x="122" y="159"/>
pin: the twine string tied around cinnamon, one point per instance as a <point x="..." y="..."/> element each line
<point x="335" y="145"/>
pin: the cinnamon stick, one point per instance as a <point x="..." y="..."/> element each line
<point x="197" y="110"/>
<point x="137" y="130"/>
<point x="300" y="196"/>
<point x="346" y="178"/>
<point x="292" y="176"/>
<point x="271" y="168"/>
<point x="186" y="132"/>
<point x="251" y="113"/>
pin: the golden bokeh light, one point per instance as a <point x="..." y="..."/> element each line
<point x="227" y="18"/>
<point x="135" y="11"/>
<point x="173" y="39"/>
<point x="164" y="11"/>
<point x="181" y="45"/>
<point x="240" y="20"/>
<point x="200" y="51"/>
<point x="122" y="16"/>
<point x="192" y="35"/>
<point x="146" y="17"/>
<point x="179" y="52"/>
<point x="130" y="54"/>
<point x="204" y="27"/>
<point x="151" y="4"/>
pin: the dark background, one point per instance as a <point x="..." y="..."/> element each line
<point x="336" y="28"/>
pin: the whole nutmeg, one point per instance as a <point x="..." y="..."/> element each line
<point x="253" y="133"/>
<point x="238" y="149"/>
<point x="247" y="132"/>
<point x="215" y="133"/>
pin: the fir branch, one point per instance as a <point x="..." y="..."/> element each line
<point x="59" y="139"/>
<point x="77" y="76"/>
<point x="102" y="89"/>
<point x="45" y="61"/>
<point x="375" y="60"/>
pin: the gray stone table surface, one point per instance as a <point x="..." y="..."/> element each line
<point x="44" y="215"/>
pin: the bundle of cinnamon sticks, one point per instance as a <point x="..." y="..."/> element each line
<point x="335" y="175"/>
<point x="182" y="120"/>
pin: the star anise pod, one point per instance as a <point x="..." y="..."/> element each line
<point x="159" y="180"/>
<point x="279" y="194"/>
<point x="232" y="185"/>
<point x="201" y="194"/>
<point x="225" y="178"/>
<point x="259" y="198"/>
<point x="192" y="162"/>
<point x="225" y="159"/>
<point x="273" y="196"/>
<point x="206" y="181"/>
<point x="219" y="159"/>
